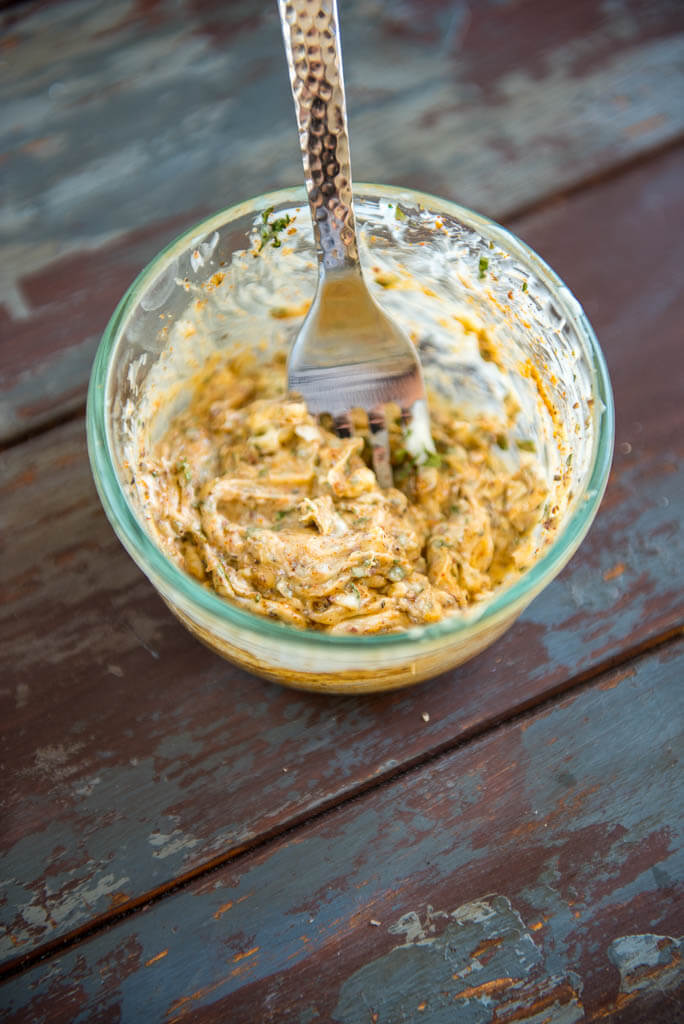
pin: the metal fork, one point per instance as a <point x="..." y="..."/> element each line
<point x="348" y="353"/>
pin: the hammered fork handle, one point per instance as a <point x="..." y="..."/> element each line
<point x="314" y="58"/>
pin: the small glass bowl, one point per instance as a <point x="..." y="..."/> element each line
<point x="490" y="318"/>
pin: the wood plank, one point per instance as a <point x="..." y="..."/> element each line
<point x="530" y="875"/>
<point x="132" y="754"/>
<point x="124" y="123"/>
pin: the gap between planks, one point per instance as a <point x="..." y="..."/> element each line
<point x="571" y="687"/>
<point x="60" y="419"/>
<point x="509" y="218"/>
<point x="601" y="176"/>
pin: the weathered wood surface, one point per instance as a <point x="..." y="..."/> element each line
<point x="136" y="756"/>
<point x="123" y="122"/>
<point x="133" y="759"/>
<point x="532" y="875"/>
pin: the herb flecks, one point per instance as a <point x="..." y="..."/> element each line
<point x="403" y="472"/>
<point x="405" y="461"/>
<point x="432" y="459"/>
<point x="483" y="266"/>
<point x="271" y="228"/>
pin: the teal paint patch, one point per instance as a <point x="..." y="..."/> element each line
<point x="67" y="884"/>
<point x="308" y="1015"/>
<point x="604" y="766"/>
<point x="477" y="812"/>
<point x="617" y="826"/>
<point x="645" y="960"/>
<point x="587" y="612"/>
<point x="311" y="902"/>
<point x="481" y="964"/>
<point x="213" y="121"/>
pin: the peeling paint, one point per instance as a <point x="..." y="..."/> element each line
<point x="22" y="695"/>
<point x="53" y="760"/>
<point x="155" y="959"/>
<point x="646" y="960"/>
<point x="166" y="845"/>
<point x="481" y="965"/>
<point x="73" y="187"/>
<point x="82" y="821"/>
<point x="449" y="827"/>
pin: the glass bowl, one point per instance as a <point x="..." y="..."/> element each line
<point x="491" y="320"/>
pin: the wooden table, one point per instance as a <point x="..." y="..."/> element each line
<point x="180" y="840"/>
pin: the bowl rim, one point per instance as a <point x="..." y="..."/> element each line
<point x="511" y="598"/>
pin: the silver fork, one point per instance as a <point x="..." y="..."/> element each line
<point x="348" y="353"/>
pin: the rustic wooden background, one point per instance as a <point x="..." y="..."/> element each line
<point x="179" y="839"/>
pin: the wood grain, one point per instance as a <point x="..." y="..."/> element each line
<point x="132" y="756"/>
<point x="123" y="123"/>
<point x="530" y="875"/>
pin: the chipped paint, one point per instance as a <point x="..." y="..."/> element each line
<point x="581" y="610"/>
<point x="170" y="72"/>
<point x="53" y="760"/>
<point x="645" y="960"/>
<point x="167" y="845"/>
<point x="222" y="909"/>
<point x="243" y="956"/>
<point x="485" y="989"/>
<point x="42" y="911"/>
<point x="191" y="775"/>
<point x="155" y="959"/>
<point x="482" y="961"/>
<point x="597" y="855"/>
<point x="614" y="573"/>
<point x="206" y="763"/>
<point x="213" y="125"/>
<point x="446" y="828"/>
